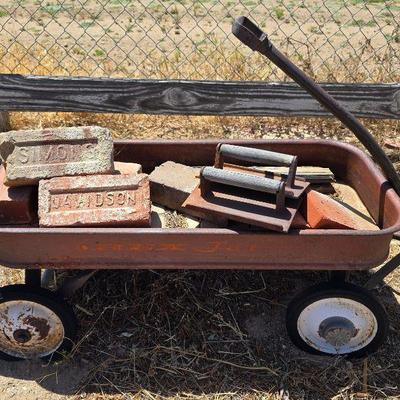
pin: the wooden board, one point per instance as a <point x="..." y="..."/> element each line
<point x="308" y="173"/>
<point x="41" y="93"/>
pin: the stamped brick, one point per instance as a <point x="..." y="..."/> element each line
<point x="40" y="154"/>
<point x="106" y="200"/>
<point x="126" y="168"/>
<point x="16" y="204"/>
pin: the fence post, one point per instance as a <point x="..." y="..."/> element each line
<point x="4" y="121"/>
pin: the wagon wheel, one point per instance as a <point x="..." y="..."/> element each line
<point x="34" y="323"/>
<point x="336" y="318"/>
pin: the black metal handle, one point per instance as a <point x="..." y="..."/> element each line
<point x="249" y="33"/>
<point x="252" y="36"/>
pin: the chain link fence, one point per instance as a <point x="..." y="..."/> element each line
<point x="333" y="40"/>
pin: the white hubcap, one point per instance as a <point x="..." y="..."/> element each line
<point x="337" y="325"/>
<point x="29" y="330"/>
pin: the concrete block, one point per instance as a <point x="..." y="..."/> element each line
<point x="171" y="183"/>
<point x="102" y="200"/>
<point x="41" y="154"/>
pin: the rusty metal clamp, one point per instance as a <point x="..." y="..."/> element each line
<point x="244" y="181"/>
<point x="257" y="156"/>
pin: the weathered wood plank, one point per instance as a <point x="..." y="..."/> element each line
<point x="4" y="121"/>
<point x="35" y="93"/>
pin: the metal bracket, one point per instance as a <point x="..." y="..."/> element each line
<point x="384" y="271"/>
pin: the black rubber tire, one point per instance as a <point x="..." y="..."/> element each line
<point x="56" y="304"/>
<point x="336" y="289"/>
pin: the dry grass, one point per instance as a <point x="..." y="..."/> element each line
<point x="212" y="334"/>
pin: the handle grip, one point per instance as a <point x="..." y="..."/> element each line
<point x="250" y="34"/>
<point x="245" y="181"/>
<point x="257" y="156"/>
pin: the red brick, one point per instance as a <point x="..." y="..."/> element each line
<point x="323" y="212"/>
<point x="16" y="204"/>
<point x="102" y="200"/>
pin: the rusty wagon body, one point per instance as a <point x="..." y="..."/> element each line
<point x="82" y="248"/>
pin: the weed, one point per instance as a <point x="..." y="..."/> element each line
<point x="87" y="24"/>
<point x="99" y="53"/>
<point x="316" y="30"/>
<point x="279" y="12"/>
<point x="360" y="23"/>
<point x="52" y="9"/>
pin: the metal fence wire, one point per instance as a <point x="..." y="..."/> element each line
<point x="333" y="40"/>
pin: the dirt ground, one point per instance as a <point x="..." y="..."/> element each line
<point x="200" y="334"/>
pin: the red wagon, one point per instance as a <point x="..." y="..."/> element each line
<point x="335" y="317"/>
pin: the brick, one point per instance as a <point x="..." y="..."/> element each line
<point x="105" y="200"/>
<point x="124" y="168"/>
<point x="163" y="218"/>
<point x="171" y="183"/>
<point x="323" y="212"/>
<point x="41" y="154"/>
<point x="16" y="204"/>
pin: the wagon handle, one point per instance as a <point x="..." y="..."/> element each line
<point x="257" y="156"/>
<point x="245" y="181"/>
<point x="252" y="36"/>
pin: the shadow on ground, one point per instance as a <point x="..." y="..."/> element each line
<point x="206" y="332"/>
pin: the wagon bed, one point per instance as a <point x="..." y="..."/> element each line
<point x="133" y="248"/>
